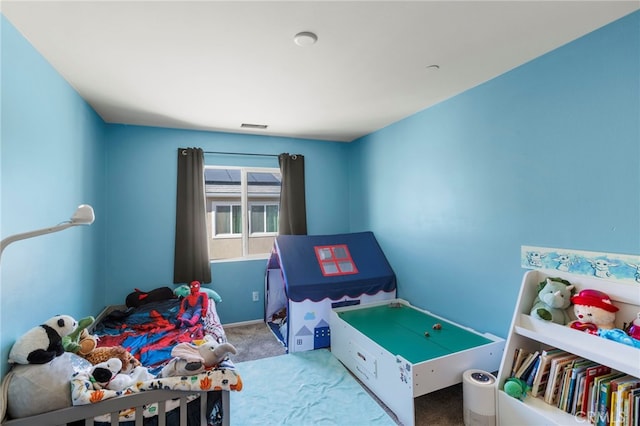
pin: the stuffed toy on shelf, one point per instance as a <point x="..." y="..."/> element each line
<point x="553" y="300"/>
<point x="594" y="311"/>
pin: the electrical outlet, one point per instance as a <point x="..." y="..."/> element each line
<point x="256" y="296"/>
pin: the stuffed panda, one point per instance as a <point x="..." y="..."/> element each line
<point x="43" y="343"/>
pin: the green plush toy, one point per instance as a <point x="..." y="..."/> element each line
<point x="184" y="290"/>
<point x="71" y="342"/>
<point x="516" y="388"/>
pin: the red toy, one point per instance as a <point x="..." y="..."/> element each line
<point x="193" y="307"/>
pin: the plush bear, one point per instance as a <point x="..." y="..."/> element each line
<point x="80" y="341"/>
<point x="190" y="359"/>
<point x="107" y="375"/>
<point x="554" y="297"/>
<point x="102" y="354"/>
<point x="594" y="311"/>
<point x="43" y="343"/>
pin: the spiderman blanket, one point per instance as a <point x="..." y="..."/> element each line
<point x="150" y="331"/>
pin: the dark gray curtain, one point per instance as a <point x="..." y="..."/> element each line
<point x="293" y="210"/>
<point x="192" y="251"/>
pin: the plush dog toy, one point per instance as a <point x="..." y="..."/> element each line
<point x="190" y="359"/>
<point x="103" y="354"/>
<point x="43" y="343"/>
<point x="106" y="375"/>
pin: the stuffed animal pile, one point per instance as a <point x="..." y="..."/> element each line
<point x="102" y="354"/>
<point x="596" y="315"/>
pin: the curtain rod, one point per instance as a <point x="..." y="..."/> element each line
<point x="241" y="153"/>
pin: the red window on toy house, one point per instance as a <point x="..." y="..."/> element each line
<point x="335" y="260"/>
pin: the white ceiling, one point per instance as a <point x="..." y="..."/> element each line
<point x="213" y="65"/>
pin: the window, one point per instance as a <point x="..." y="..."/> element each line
<point x="243" y="205"/>
<point x="264" y="218"/>
<point x="228" y="219"/>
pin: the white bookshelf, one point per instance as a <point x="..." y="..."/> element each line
<point x="533" y="334"/>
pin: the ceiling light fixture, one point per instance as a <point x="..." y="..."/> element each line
<point x="433" y="67"/>
<point x="305" y="38"/>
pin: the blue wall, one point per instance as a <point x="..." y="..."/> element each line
<point x="141" y="193"/>
<point x="52" y="161"/>
<point x="545" y="155"/>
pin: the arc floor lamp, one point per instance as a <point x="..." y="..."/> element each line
<point x="82" y="216"/>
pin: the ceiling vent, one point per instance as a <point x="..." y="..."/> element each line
<point x="253" y="126"/>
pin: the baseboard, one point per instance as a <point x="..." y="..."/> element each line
<point x="240" y="324"/>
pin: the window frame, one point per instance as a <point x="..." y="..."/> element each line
<point x="264" y="218"/>
<point x="244" y="211"/>
<point x="214" y="217"/>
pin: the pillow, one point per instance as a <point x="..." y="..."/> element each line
<point x="48" y="384"/>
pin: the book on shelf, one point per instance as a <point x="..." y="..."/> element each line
<point x="577" y="371"/>
<point x="634" y="408"/>
<point x="532" y="372"/>
<point x="542" y="375"/>
<point x="590" y="374"/>
<point x="551" y="393"/>
<point x="603" y="412"/>
<point x="576" y="407"/>
<point x="594" y="398"/>
<point x="518" y="355"/>
<point x="620" y="389"/>
<point x="564" y="399"/>
<point x="526" y="365"/>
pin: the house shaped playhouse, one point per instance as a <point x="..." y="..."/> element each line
<point x="308" y="275"/>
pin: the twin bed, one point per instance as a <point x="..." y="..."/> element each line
<point x="148" y="332"/>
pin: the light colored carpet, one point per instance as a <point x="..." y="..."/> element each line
<point x="256" y="341"/>
<point x="303" y="388"/>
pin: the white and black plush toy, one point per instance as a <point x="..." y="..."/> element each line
<point x="43" y="343"/>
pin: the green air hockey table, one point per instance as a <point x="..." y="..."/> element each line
<point x="401" y="352"/>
